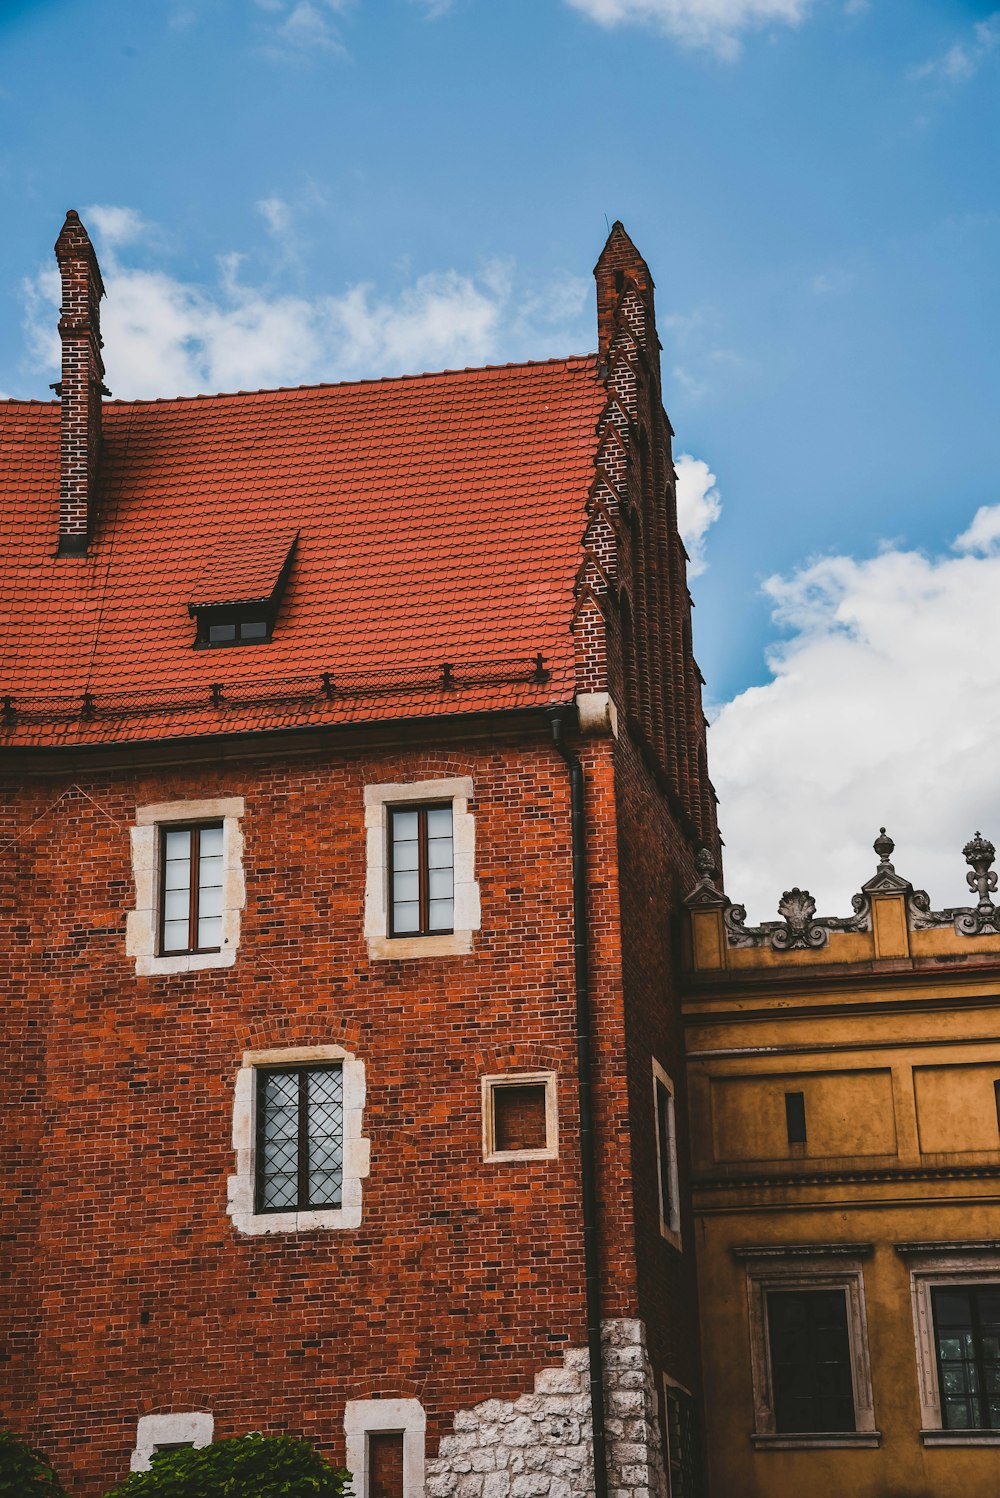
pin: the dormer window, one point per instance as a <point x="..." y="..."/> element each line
<point x="237" y="596"/>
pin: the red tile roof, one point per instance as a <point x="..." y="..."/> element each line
<point x="440" y="519"/>
<point x="244" y="570"/>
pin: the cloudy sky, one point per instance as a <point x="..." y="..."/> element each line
<point x="293" y="190"/>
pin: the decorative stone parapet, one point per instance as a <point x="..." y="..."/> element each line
<point x="541" y="1445"/>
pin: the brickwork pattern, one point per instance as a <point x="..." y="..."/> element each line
<point x="82" y="380"/>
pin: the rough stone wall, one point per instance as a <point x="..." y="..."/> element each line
<point x="541" y="1445"/>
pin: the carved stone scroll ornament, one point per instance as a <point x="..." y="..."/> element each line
<point x="984" y="919"/>
<point x="799" y="928"/>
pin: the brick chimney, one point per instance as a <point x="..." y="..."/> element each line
<point x="620" y="263"/>
<point x="81" y="386"/>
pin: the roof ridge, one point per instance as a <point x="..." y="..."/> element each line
<point x="430" y="374"/>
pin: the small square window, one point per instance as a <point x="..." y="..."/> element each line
<point x="421" y="870"/>
<point x="192" y="879"/>
<point x="300" y="1139"/>
<point x="519" y="1116"/>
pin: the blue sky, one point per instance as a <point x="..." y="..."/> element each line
<point x="306" y="189"/>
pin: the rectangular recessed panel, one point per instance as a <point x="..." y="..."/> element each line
<point x="385" y="1464"/>
<point x="519" y="1117"/>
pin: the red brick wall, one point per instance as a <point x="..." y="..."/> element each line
<point x="463" y="1279"/>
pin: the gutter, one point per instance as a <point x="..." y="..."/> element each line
<point x="588" y="1162"/>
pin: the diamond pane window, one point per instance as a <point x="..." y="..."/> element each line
<point x="810" y="1361"/>
<point x="967" y="1341"/>
<point x="191" y="889"/>
<point x="300" y="1138"/>
<point x="421" y="870"/>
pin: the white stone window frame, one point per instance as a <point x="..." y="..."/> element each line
<point x="357" y="1149"/>
<point x="944" y="1264"/>
<point x="670" y="1227"/>
<point x="809" y="1267"/>
<point x="365" y="1417"/>
<point x="468" y="916"/>
<point x="493" y="1083"/>
<point x="184" y="1428"/>
<point x="142" y="931"/>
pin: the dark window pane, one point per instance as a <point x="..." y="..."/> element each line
<point x="221" y="634"/>
<point x="385" y="1464"/>
<point x="795" y="1117"/>
<point x="967" y="1340"/>
<point x="663" y="1133"/>
<point x="253" y="629"/>
<point x="810" y="1360"/>
<point x="684" y="1449"/>
<point x="519" y="1117"/>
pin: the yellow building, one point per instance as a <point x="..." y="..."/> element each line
<point x="844" y="1081"/>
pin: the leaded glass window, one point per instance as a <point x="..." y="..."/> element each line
<point x="192" y="881"/>
<point x="967" y="1341"/>
<point x="684" y="1451"/>
<point x="421" y="870"/>
<point x="810" y="1361"/>
<point x="300" y="1138"/>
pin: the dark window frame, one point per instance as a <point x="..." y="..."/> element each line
<point x="827" y="1425"/>
<point x="301" y="1203"/>
<point x="423" y="880"/>
<point x="982" y="1394"/>
<point x="795" y="1117"/>
<point x="195" y="829"/>
<point x="684" y="1443"/>
<point x="665" y="1142"/>
<point x="237" y="615"/>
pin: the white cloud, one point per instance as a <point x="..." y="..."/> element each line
<point x="883" y="709"/>
<point x="300" y="30"/>
<point x="699" y="506"/>
<point x="716" y="24"/>
<point x="165" y="336"/>
<point x="963" y="59"/>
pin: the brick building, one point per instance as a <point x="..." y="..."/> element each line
<point x="353" y="769"/>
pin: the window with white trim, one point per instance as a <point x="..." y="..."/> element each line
<point x="169" y="1433"/>
<point x="187" y="860"/>
<point x="421" y="894"/>
<point x="520" y="1116"/>
<point x="386" y="1447"/>
<point x="301" y="1156"/>
<point x="809" y="1345"/>
<point x="668" y="1186"/>
<point x="955" y="1294"/>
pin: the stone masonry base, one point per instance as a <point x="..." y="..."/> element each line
<point x="541" y="1445"/>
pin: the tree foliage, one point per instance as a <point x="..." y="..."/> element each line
<point x="25" y="1473"/>
<point x="253" y="1466"/>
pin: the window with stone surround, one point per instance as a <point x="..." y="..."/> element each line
<point x="421" y="894"/>
<point x="520" y="1116"/>
<point x="187" y="861"/>
<point x="668" y="1186"/>
<point x="169" y="1433"/>
<point x="385" y="1447"/>
<point x="301" y="1156"/>
<point x="955" y="1296"/>
<point x="809" y="1345"/>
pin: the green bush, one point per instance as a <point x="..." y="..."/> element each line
<point x="253" y="1466"/>
<point x="25" y="1473"/>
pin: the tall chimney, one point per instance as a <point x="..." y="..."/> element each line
<point x="81" y="386"/>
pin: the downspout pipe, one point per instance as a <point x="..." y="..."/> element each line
<point x="588" y="1160"/>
